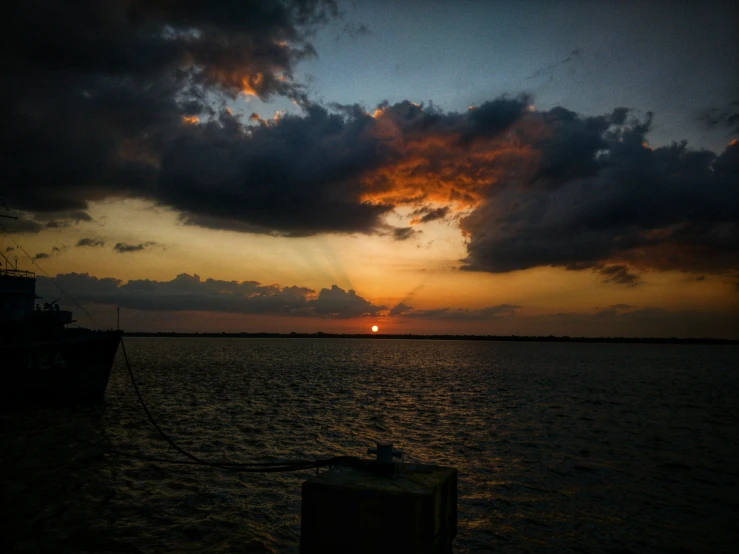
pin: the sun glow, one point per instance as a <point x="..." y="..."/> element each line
<point x="251" y="84"/>
<point x="375" y="328"/>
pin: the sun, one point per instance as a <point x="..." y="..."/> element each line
<point x="375" y="328"/>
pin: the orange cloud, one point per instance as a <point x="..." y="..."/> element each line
<point x="251" y="85"/>
<point x="441" y="166"/>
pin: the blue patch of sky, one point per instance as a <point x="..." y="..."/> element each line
<point x="674" y="58"/>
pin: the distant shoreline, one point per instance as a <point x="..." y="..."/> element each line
<point x="496" y="338"/>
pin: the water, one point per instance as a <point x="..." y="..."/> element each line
<point x="582" y="447"/>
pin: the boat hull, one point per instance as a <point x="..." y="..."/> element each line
<point x="72" y="370"/>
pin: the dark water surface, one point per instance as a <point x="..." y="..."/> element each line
<point x="582" y="447"/>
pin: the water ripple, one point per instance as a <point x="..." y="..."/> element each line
<point x="586" y="447"/>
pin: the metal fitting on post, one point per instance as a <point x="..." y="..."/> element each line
<point x="385" y="454"/>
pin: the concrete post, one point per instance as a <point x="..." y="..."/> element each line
<point x="350" y="509"/>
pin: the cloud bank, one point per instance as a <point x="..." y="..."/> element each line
<point x="454" y="314"/>
<point x="187" y="301"/>
<point x="127" y="99"/>
<point x="93" y="91"/>
<point x="189" y="293"/>
<point x="600" y="194"/>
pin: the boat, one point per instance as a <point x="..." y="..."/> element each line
<point x="42" y="360"/>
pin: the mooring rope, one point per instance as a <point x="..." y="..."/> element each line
<point x="253" y="467"/>
<point x="250" y="467"/>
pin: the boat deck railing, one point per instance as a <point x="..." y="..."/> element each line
<point x="16" y="272"/>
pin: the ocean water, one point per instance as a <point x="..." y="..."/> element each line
<point x="560" y="447"/>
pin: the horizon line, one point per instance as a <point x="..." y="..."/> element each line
<point x="435" y="336"/>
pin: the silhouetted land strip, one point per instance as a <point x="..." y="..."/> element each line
<point x="507" y="338"/>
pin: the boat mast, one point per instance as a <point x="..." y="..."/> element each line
<point x="4" y="211"/>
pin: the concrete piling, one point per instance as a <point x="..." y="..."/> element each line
<point x="363" y="508"/>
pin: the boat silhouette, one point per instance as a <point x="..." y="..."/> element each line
<point x="42" y="360"/>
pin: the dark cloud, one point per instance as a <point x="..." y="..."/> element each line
<point x="123" y="248"/>
<point x="458" y="314"/>
<point x="66" y="216"/>
<point x="400" y="309"/>
<point x="112" y="99"/>
<point x="618" y="274"/>
<point x="120" y="98"/>
<point x="493" y="117"/>
<point x="189" y="293"/>
<point x="618" y="116"/>
<point x="319" y="172"/>
<point x="127" y="99"/>
<point x="59" y="220"/>
<point x="55" y="251"/>
<point x="336" y="302"/>
<point x="297" y="176"/>
<point x="726" y="118"/>
<point x="93" y="90"/>
<point x="404" y="233"/>
<point x="91" y="242"/>
<point x="601" y="198"/>
<point x="425" y="214"/>
<point x="571" y="151"/>
<point x="35" y="222"/>
<point x="20" y="226"/>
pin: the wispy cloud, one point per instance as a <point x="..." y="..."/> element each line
<point x="455" y="314"/>
<point x="124" y="248"/>
<point x="91" y="242"/>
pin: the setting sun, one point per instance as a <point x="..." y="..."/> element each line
<point x="375" y="328"/>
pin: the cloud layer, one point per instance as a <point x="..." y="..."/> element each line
<point x="189" y="293"/>
<point x="186" y="301"/>
<point x="93" y="90"/>
<point x="117" y="98"/>
<point x="599" y="193"/>
<point x="454" y="314"/>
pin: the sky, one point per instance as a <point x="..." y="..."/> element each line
<point x="499" y="167"/>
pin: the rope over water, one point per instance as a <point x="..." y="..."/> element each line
<point x="249" y="467"/>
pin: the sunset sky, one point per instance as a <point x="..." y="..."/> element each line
<point x="473" y="167"/>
